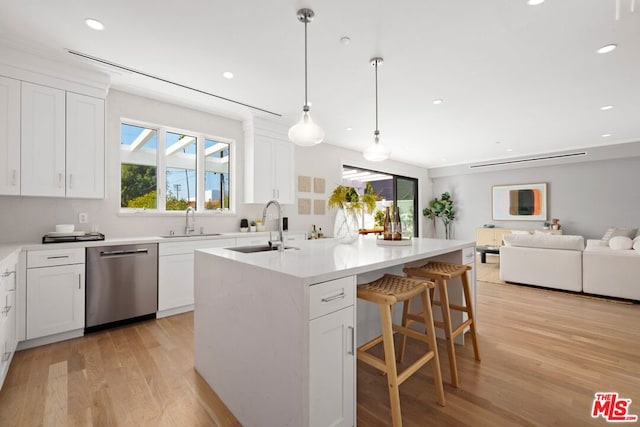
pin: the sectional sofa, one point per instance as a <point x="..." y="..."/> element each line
<point x="563" y="262"/>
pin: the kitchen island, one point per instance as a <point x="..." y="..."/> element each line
<point x="275" y="332"/>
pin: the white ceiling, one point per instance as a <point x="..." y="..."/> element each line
<point x="512" y="76"/>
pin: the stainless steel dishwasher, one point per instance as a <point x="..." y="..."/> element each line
<point x="122" y="283"/>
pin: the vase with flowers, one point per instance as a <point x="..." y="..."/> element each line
<point x="350" y="204"/>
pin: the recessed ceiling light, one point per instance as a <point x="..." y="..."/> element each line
<point x="345" y="40"/>
<point x="606" y="107"/>
<point x="94" y="24"/>
<point x="509" y="150"/>
<point x="438" y="101"/>
<point x="607" y="48"/>
<point x="348" y="129"/>
<point x="606" y="135"/>
<point x="227" y="75"/>
<point x="534" y="2"/>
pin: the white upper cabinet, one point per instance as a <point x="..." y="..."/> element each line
<point x="269" y="163"/>
<point x="62" y="143"/>
<point x="9" y="136"/>
<point x="85" y="146"/>
<point x="42" y="159"/>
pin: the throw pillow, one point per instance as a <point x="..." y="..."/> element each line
<point x="614" y="231"/>
<point x="636" y="245"/>
<point x="619" y="243"/>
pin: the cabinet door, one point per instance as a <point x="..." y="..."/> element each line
<point x="85" y="146"/>
<point x="263" y="189"/>
<point x="55" y="300"/>
<point x="9" y="136"/>
<point x="175" y="281"/>
<point x="283" y="172"/>
<point x="332" y="369"/>
<point x="42" y="160"/>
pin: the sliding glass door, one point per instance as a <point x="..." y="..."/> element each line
<point x="392" y="190"/>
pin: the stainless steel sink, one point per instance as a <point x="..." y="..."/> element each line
<point x="173" y="236"/>
<point x="261" y="248"/>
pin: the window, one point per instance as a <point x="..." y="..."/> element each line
<point x="393" y="190"/>
<point x="216" y="174"/>
<point x="193" y="169"/>
<point x="138" y="167"/>
<point x="180" y="169"/>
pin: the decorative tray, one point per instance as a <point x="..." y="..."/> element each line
<point x="71" y="237"/>
<point x="402" y="242"/>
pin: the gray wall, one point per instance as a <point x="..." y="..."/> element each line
<point x="587" y="197"/>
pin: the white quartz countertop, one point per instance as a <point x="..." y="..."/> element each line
<point x="326" y="259"/>
<point x="8" y="250"/>
<point x="138" y="240"/>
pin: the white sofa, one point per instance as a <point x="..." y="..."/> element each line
<point x="611" y="272"/>
<point x="552" y="261"/>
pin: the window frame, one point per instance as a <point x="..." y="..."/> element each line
<point x="161" y="168"/>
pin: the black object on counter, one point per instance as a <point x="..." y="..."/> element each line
<point x="66" y="239"/>
<point x="285" y="223"/>
<point x="244" y="223"/>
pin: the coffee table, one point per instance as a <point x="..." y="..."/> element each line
<point x="484" y="250"/>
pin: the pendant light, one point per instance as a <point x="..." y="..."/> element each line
<point x="377" y="151"/>
<point x="306" y="133"/>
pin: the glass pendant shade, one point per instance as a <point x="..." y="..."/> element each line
<point x="377" y="151"/>
<point x="306" y="133"/>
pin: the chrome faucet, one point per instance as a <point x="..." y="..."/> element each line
<point x="190" y="226"/>
<point x="280" y="244"/>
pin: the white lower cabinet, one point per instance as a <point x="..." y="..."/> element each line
<point x="55" y="292"/>
<point x="8" y="337"/>
<point x="332" y="359"/>
<point x="175" y="273"/>
<point x="332" y="369"/>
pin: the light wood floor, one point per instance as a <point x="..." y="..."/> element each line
<point x="544" y="353"/>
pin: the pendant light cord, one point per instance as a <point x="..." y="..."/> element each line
<point x="376" y="67"/>
<point x="306" y="106"/>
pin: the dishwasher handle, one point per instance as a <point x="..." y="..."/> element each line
<point x="123" y="252"/>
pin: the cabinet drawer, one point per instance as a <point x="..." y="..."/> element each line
<point x="328" y="297"/>
<point x="53" y="257"/>
<point x="468" y="255"/>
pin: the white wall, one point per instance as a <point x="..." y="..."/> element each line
<point x="27" y="219"/>
<point x="587" y="197"/>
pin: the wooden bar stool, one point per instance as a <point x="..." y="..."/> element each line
<point x="387" y="291"/>
<point x="441" y="272"/>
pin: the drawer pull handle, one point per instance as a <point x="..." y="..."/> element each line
<point x="13" y="177"/>
<point x="8" y="273"/>
<point x="58" y="257"/>
<point x="334" y="297"/>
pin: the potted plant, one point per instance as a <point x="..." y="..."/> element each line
<point x="252" y="226"/>
<point x="259" y="225"/>
<point x="350" y="204"/>
<point x="441" y="208"/>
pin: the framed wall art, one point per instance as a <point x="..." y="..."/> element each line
<point x="520" y="202"/>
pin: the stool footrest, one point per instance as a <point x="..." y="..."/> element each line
<point x="368" y="345"/>
<point x="371" y="360"/>
<point x="413" y="368"/>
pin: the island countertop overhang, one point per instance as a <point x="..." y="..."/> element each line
<point x="318" y="261"/>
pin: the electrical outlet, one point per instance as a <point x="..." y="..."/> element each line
<point x="83" y="218"/>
